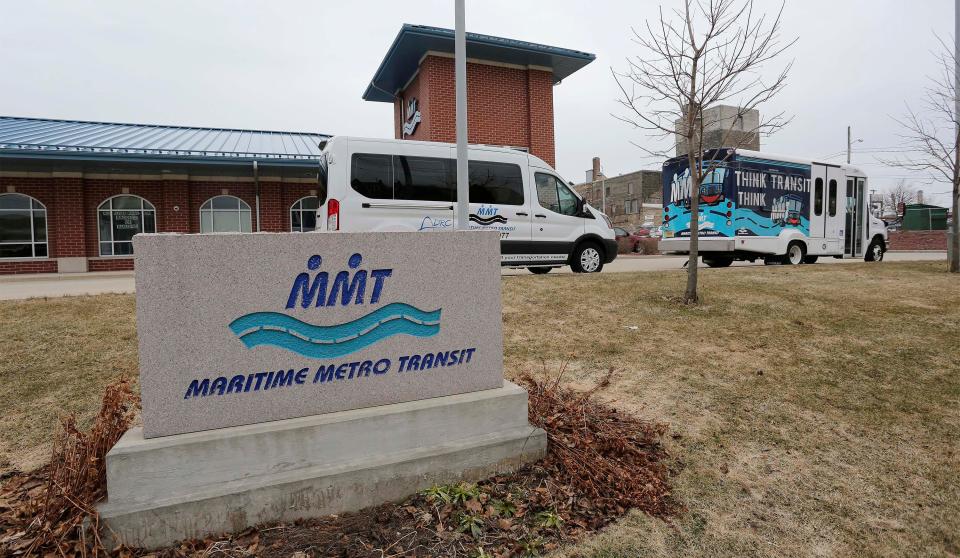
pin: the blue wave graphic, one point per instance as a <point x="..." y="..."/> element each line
<point x="291" y="334"/>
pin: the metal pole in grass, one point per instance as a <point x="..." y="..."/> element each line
<point x="460" y="61"/>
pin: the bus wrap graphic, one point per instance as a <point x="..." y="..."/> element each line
<point x="745" y="196"/>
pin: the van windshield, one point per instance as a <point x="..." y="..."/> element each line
<point x="322" y="180"/>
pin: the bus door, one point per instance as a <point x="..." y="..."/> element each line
<point x="818" y="200"/>
<point x="853" y="219"/>
<point x="826" y="216"/>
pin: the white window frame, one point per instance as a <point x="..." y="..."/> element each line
<point x="295" y="209"/>
<point x="242" y="207"/>
<point x="144" y="202"/>
<point x="33" y="233"/>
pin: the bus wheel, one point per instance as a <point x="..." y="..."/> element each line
<point x="717" y="261"/>
<point x="810" y="259"/>
<point x="586" y="258"/>
<point x="795" y="253"/>
<point x="875" y="251"/>
<point x="539" y="270"/>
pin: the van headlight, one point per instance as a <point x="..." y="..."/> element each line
<point x="607" y="220"/>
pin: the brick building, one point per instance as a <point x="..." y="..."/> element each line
<point x="630" y="199"/>
<point x="73" y="193"/>
<point x="509" y="88"/>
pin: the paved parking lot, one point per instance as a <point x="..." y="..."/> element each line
<point x="14" y="287"/>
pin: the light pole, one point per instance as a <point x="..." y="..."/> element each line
<point x="460" y="62"/>
<point x="850" y="143"/>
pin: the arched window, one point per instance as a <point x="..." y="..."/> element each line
<point x="303" y="214"/>
<point x="224" y="214"/>
<point x="23" y="227"/>
<point x="121" y="217"/>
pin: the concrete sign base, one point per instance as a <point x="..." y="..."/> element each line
<point x="189" y="485"/>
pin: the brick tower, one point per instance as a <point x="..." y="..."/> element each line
<point x="509" y="88"/>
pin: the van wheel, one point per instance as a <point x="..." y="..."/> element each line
<point x="717" y="261"/>
<point x="795" y="253"/>
<point x="587" y="258"/>
<point x="875" y="251"/>
<point x="539" y="270"/>
<point x="810" y="259"/>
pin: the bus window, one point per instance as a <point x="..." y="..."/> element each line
<point x="818" y="197"/>
<point x="832" y="203"/>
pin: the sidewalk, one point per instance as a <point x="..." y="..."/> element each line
<point x="15" y="287"/>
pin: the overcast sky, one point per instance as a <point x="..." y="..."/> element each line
<point x="302" y="66"/>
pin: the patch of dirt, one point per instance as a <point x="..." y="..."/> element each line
<point x="600" y="464"/>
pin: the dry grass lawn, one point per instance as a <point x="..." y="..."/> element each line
<point x="815" y="410"/>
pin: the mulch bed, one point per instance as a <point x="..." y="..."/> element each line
<point x="600" y="464"/>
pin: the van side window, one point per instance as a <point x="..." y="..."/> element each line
<point x="554" y="195"/>
<point x="424" y="178"/>
<point x="371" y="176"/>
<point x="495" y="183"/>
<point x="832" y="203"/>
<point x="818" y="196"/>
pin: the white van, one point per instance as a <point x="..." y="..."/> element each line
<point x="404" y="185"/>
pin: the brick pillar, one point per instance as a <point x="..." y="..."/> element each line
<point x="173" y="215"/>
<point x="66" y="230"/>
<point x="273" y="215"/>
<point x="540" y="96"/>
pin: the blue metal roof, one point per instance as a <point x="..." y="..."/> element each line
<point x="75" y="139"/>
<point x="413" y="41"/>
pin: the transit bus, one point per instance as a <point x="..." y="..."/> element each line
<point x="779" y="209"/>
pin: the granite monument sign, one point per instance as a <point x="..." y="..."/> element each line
<point x="294" y="375"/>
<point x="240" y="329"/>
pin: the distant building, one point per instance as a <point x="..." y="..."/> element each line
<point x="924" y="217"/>
<point x="725" y="127"/>
<point x="632" y="199"/>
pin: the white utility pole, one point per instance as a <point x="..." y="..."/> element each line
<point x="851" y="141"/>
<point x="460" y="62"/>
<point x="848" y="138"/>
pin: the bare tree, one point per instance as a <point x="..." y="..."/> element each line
<point x="902" y="193"/>
<point x="933" y="137"/>
<point x="707" y="53"/>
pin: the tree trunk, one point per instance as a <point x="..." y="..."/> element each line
<point x="690" y="296"/>
<point x="693" y="110"/>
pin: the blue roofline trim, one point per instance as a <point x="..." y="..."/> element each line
<point x="33" y="138"/>
<point x="413" y="41"/>
<point x="80" y="156"/>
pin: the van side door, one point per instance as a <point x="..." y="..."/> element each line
<point x="500" y="199"/>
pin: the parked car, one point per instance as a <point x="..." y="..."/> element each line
<point x="626" y="242"/>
